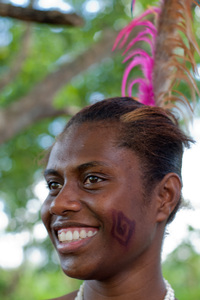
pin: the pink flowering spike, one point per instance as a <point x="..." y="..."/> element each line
<point x="136" y="22"/>
<point x="139" y="52"/>
<point x="144" y="33"/>
<point x="146" y="23"/>
<point x="147" y="12"/>
<point x="150" y="30"/>
<point x="139" y="39"/>
<point x="124" y="33"/>
<point x="164" y="40"/>
<point x="137" y="61"/>
<point x="146" y="94"/>
<point x="149" y="25"/>
<point x="145" y="86"/>
<point x="134" y="63"/>
<point x="133" y="82"/>
<point x="139" y="57"/>
<point x="147" y="68"/>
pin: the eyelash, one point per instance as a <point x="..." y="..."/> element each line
<point x="99" y="179"/>
<point x="50" y="183"/>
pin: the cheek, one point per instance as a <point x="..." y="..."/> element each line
<point x="123" y="229"/>
<point x="45" y="215"/>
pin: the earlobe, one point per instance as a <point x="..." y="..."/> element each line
<point x="168" y="195"/>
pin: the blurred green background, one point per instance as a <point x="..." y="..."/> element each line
<point x="47" y="73"/>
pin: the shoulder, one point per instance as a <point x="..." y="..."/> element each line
<point x="70" y="296"/>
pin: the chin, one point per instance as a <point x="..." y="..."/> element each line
<point x="82" y="272"/>
<point x="86" y="273"/>
<point x="75" y="270"/>
<point x="77" y="274"/>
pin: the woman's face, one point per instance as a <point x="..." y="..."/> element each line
<point x="95" y="212"/>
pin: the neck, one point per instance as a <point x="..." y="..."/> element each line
<point x="137" y="286"/>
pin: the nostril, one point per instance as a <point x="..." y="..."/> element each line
<point x="51" y="211"/>
<point x="62" y="208"/>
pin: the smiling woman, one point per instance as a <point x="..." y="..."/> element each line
<point x="114" y="173"/>
<point x="111" y="198"/>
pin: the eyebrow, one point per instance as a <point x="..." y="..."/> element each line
<point x="80" y="168"/>
<point x="51" y="172"/>
<point x="91" y="164"/>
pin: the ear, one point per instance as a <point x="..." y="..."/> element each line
<point x="168" y="195"/>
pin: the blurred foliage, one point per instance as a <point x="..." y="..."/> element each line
<point x="182" y="270"/>
<point x="17" y="284"/>
<point x="20" y="168"/>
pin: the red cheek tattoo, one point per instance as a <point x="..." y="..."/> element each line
<point x="123" y="228"/>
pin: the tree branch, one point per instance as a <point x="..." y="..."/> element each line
<point x="39" y="16"/>
<point x="38" y="104"/>
<point x="19" y="59"/>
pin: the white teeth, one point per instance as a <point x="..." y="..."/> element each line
<point x="75" y="235"/>
<point x="68" y="236"/>
<point x="83" y="234"/>
<point x="62" y="237"/>
<point x="90" y="233"/>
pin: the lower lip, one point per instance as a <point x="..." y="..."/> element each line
<point x="66" y="247"/>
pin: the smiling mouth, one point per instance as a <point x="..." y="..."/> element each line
<point x="67" y="235"/>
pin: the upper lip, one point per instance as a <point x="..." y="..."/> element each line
<point x="67" y="224"/>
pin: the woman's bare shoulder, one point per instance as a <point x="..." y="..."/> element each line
<point x="70" y="296"/>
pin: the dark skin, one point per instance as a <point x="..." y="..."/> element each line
<point x="96" y="184"/>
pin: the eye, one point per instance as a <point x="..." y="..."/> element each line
<point x="92" y="179"/>
<point x="53" y="185"/>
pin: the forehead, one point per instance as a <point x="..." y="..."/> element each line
<point x="89" y="142"/>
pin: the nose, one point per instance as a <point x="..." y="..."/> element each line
<point x="67" y="200"/>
